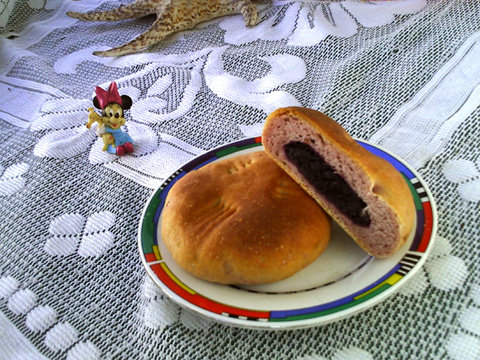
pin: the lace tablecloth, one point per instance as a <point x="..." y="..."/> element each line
<point x="401" y="74"/>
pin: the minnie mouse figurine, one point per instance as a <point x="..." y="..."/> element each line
<point x="115" y="140"/>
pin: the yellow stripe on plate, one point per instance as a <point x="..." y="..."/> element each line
<point x="176" y="280"/>
<point x="158" y="256"/>
<point x="390" y="281"/>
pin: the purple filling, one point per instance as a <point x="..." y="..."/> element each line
<point x="327" y="182"/>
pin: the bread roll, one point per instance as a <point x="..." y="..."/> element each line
<point x="242" y="220"/>
<point x="362" y="192"/>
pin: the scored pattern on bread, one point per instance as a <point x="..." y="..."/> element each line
<point x="388" y="216"/>
<point x="242" y="220"/>
<point x="212" y="215"/>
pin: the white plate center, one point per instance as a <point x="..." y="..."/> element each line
<point x="342" y="258"/>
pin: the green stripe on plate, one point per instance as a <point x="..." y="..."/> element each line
<point x="416" y="198"/>
<point x="234" y="149"/>
<point x="148" y="225"/>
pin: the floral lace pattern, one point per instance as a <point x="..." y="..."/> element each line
<point x="87" y="237"/>
<point x="309" y="23"/>
<point x="11" y="179"/>
<point x="466" y="174"/>
<point x="442" y="270"/>
<point x="58" y="337"/>
<point x="403" y="75"/>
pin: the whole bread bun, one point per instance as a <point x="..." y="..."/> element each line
<point x="362" y="192"/>
<point x="242" y="220"/>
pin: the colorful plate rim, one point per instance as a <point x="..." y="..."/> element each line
<point x="345" y="306"/>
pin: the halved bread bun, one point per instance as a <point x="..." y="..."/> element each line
<point x="362" y="192"/>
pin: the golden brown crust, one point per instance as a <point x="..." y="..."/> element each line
<point x="242" y="221"/>
<point x="386" y="182"/>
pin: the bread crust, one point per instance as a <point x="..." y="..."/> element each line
<point x="380" y="183"/>
<point x="242" y="220"/>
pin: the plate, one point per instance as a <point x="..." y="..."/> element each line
<point x="343" y="281"/>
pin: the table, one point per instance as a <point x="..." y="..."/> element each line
<point x="401" y="74"/>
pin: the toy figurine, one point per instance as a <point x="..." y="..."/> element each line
<point x="115" y="140"/>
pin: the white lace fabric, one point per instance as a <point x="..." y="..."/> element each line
<point x="403" y="74"/>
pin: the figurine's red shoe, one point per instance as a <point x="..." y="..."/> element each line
<point x="128" y="147"/>
<point x="120" y="150"/>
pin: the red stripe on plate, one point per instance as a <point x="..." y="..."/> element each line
<point x="427" y="227"/>
<point x="202" y="301"/>
<point x="150" y="257"/>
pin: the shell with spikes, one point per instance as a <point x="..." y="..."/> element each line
<point x="172" y="16"/>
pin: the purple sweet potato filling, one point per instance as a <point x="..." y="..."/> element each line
<point x="327" y="182"/>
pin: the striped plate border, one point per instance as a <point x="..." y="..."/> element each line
<point x="153" y="259"/>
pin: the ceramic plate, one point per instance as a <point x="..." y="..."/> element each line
<point x="343" y="281"/>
